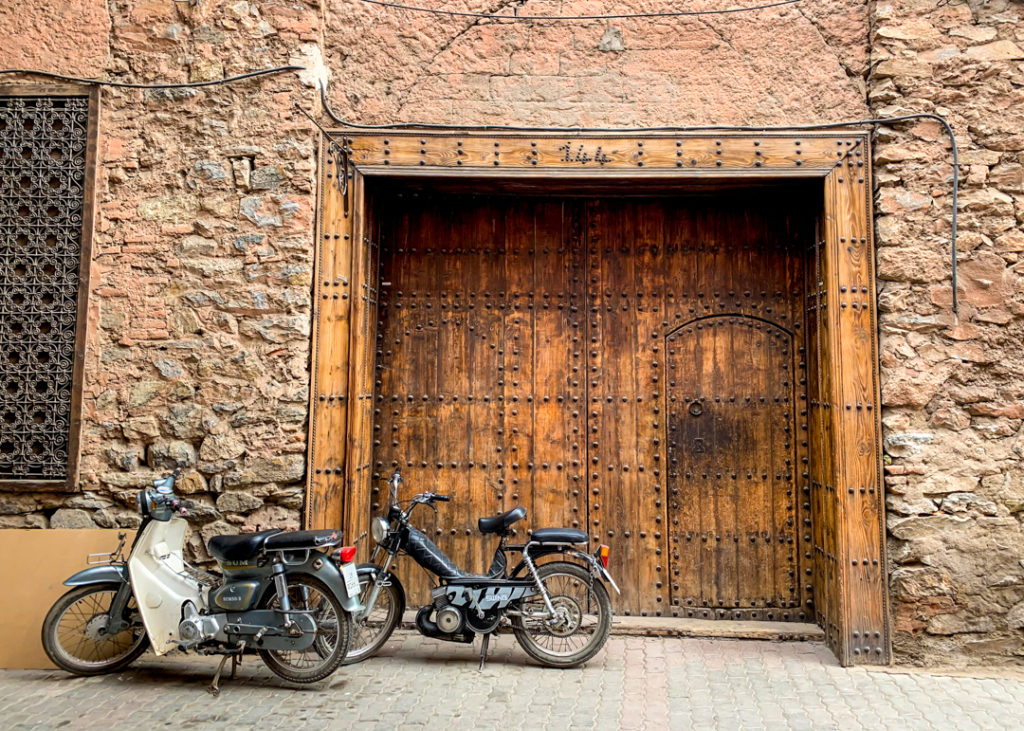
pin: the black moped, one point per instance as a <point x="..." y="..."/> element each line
<point x="560" y="611"/>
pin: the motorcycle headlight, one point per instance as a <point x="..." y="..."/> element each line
<point x="378" y="529"/>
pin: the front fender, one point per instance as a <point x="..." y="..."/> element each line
<point x="99" y="575"/>
<point x="322" y="568"/>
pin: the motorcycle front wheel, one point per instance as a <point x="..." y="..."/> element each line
<point x="582" y="621"/>
<point x="75" y="632"/>
<point x="370" y="633"/>
<point x="333" y="628"/>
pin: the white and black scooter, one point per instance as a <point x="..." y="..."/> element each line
<point x="284" y="594"/>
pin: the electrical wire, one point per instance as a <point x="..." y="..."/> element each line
<point x="413" y="126"/>
<point x="567" y="130"/>
<point x="129" y="85"/>
<point x="611" y="16"/>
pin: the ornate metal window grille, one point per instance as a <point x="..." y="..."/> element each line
<point x="43" y="156"/>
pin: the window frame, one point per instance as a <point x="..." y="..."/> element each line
<point x="69" y="483"/>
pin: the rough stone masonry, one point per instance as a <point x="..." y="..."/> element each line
<point x="198" y="340"/>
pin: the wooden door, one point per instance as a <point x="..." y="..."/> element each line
<point x="731" y="476"/>
<point x="546" y="352"/>
<point x="697" y="319"/>
<point x="479" y="389"/>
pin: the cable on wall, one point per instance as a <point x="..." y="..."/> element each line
<point x="567" y="130"/>
<point x="130" y="85"/>
<point x="874" y="122"/>
<point x="610" y="16"/>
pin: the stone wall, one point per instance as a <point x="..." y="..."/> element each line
<point x="199" y="314"/>
<point x="200" y="311"/>
<point x="953" y="387"/>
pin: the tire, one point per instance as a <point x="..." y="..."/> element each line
<point x="585" y="610"/>
<point x="74" y="632"/>
<point x="334" y="631"/>
<point x="369" y="635"/>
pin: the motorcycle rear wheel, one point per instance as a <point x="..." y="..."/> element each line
<point x="584" y="617"/>
<point x="74" y="632"/>
<point x="334" y="631"/>
<point x="370" y="634"/>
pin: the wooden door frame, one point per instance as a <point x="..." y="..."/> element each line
<point x="339" y="486"/>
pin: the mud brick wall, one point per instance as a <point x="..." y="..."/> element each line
<point x="953" y="387"/>
<point x="200" y="310"/>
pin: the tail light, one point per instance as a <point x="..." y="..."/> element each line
<point x="347" y="554"/>
<point x="602" y="553"/>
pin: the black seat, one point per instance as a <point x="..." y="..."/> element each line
<point x="239" y="548"/>
<point x="559" y="535"/>
<point x="302" y="539"/>
<point x="500" y="523"/>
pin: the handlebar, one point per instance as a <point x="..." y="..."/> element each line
<point x="429" y="497"/>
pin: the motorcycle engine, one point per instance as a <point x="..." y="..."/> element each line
<point x="449" y="619"/>
<point x="194" y="628"/>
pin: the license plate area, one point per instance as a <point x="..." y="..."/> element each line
<point x="348" y="572"/>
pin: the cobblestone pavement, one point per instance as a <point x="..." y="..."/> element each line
<point x="635" y="683"/>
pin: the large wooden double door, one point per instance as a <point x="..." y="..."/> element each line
<point x="634" y="367"/>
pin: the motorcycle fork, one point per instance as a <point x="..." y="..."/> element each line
<point x="115" y="615"/>
<point x="378" y="582"/>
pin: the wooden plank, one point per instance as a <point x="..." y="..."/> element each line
<point x="754" y="153"/>
<point x="329" y="389"/>
<point x="364" y="287"/>
<point x="518" y="360"/>
<point x="650" y="282"/>
<point x="593" y="355"/>
<point x="552" y="351"/>
<point x="617" y="350"/>
<point x="485" y="235"/>
<point x="864" y="626"/>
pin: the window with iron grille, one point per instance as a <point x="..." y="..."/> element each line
<point x="45" y="224"/>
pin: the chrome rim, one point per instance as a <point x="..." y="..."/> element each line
<point x="309" y="599"/>
<point x="576" y="619"/>
<point x="368" y="629"/>
<point x="80" y="635"/>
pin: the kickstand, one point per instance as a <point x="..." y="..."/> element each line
<point x="236" y="659"/>
<point x="483" y="650"/>
<point x="214" y="688"/>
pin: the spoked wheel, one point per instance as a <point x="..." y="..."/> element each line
<point x="370" y="633"/>
<point x="581" y="622"/>
<point x="75" y="632"/>
<point x="333" y="628"/>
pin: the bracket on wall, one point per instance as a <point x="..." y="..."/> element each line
<point x="342" y="159"/>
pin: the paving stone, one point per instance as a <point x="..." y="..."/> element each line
<point x="660" y="683"/>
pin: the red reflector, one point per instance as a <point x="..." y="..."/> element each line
<point x="347" y="553"/>
<point x="604" y="555"/>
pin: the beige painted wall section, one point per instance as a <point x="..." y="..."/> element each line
<point x="36" y="562"/>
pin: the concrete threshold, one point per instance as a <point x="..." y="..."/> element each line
<point x="734" y="629"/>
<point x="707" y="628"/>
